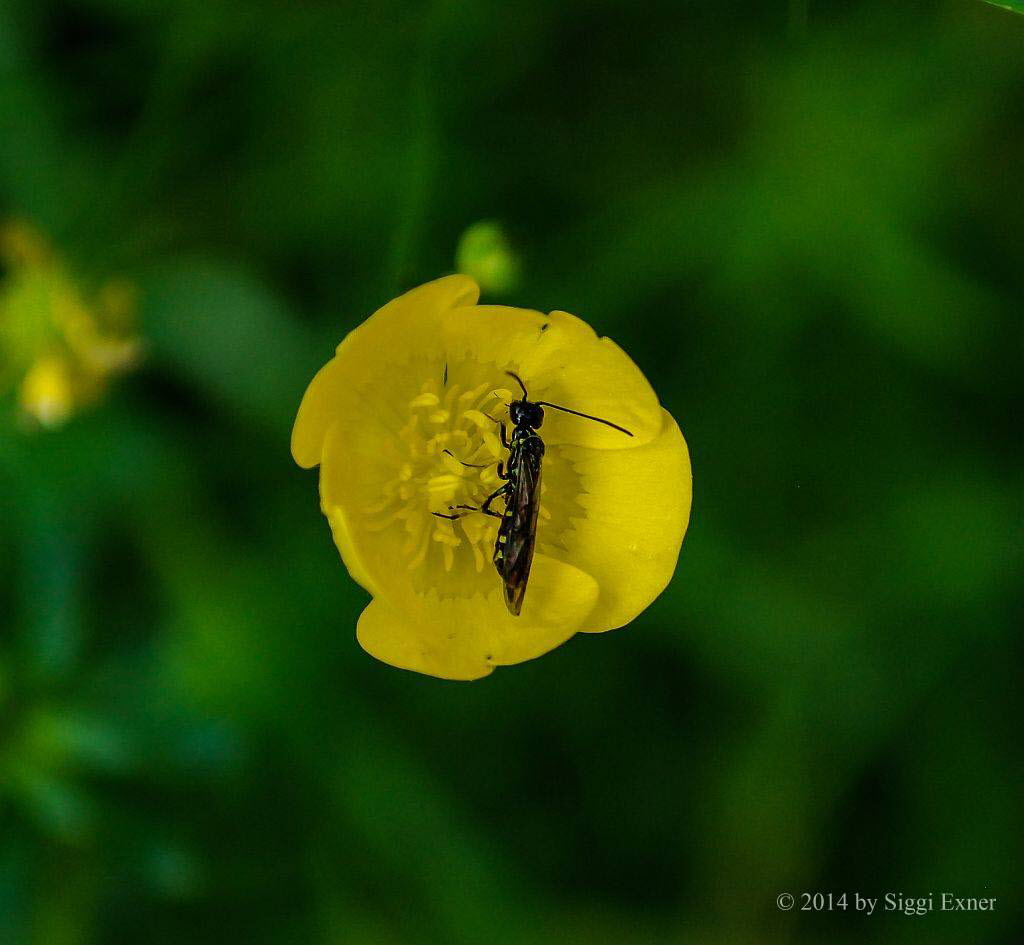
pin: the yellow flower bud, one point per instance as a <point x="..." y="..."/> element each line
<point x="484" y="254"/>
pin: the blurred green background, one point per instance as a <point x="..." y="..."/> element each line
<point x="803" y="220"/>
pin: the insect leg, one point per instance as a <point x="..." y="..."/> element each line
<point x="468" y="508"/>
<point x="458" y="515"/>
<point x="467" y="465"/>
<point x="504" y="430"/>
<point x="486" y="507"/>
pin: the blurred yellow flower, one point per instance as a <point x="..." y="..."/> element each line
<point x="58" y="349"/>
<point x="407" y="401"/>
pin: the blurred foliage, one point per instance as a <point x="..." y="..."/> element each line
<point x="804" y="222"/>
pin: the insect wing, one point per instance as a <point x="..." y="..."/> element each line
<point x="523" y="509"/>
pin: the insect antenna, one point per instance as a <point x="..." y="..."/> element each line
<point x="519" y="381"/>
<point x="544" y="403"/>
<point x="587" y="416"/>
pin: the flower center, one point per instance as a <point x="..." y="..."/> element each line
<point x="450" y="448"/>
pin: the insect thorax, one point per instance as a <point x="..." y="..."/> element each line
<point x="523" y="438"/>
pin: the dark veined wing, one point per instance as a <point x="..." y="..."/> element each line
<point x="523" y="508"/>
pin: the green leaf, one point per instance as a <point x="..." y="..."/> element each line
<point x="220" y="329"/>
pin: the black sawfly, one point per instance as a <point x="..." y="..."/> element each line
<point x="520" y="488"/>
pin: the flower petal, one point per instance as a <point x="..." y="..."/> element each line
<point x="637" y="508"/>
<point x="351" y="468"/>
<point x="347" y="548"/>
<point x="406" y="327"/>
<point x="466" y="637"/>
<point x="561" y="360"/>
<point x="315" y="413"/>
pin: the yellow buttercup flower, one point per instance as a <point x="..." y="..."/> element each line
<point x="59" y="348"/>
<point x="402" y="424"/>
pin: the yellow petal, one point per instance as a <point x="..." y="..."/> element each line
<point x="638" y="506"/>
<point x="315" y="413"/>
<point x="562" y="361"/>
<point x="380" y="350"/>
<point x="354" y="465"/>
<point x="466" y="637"/>
<point x="342" y="535"/>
